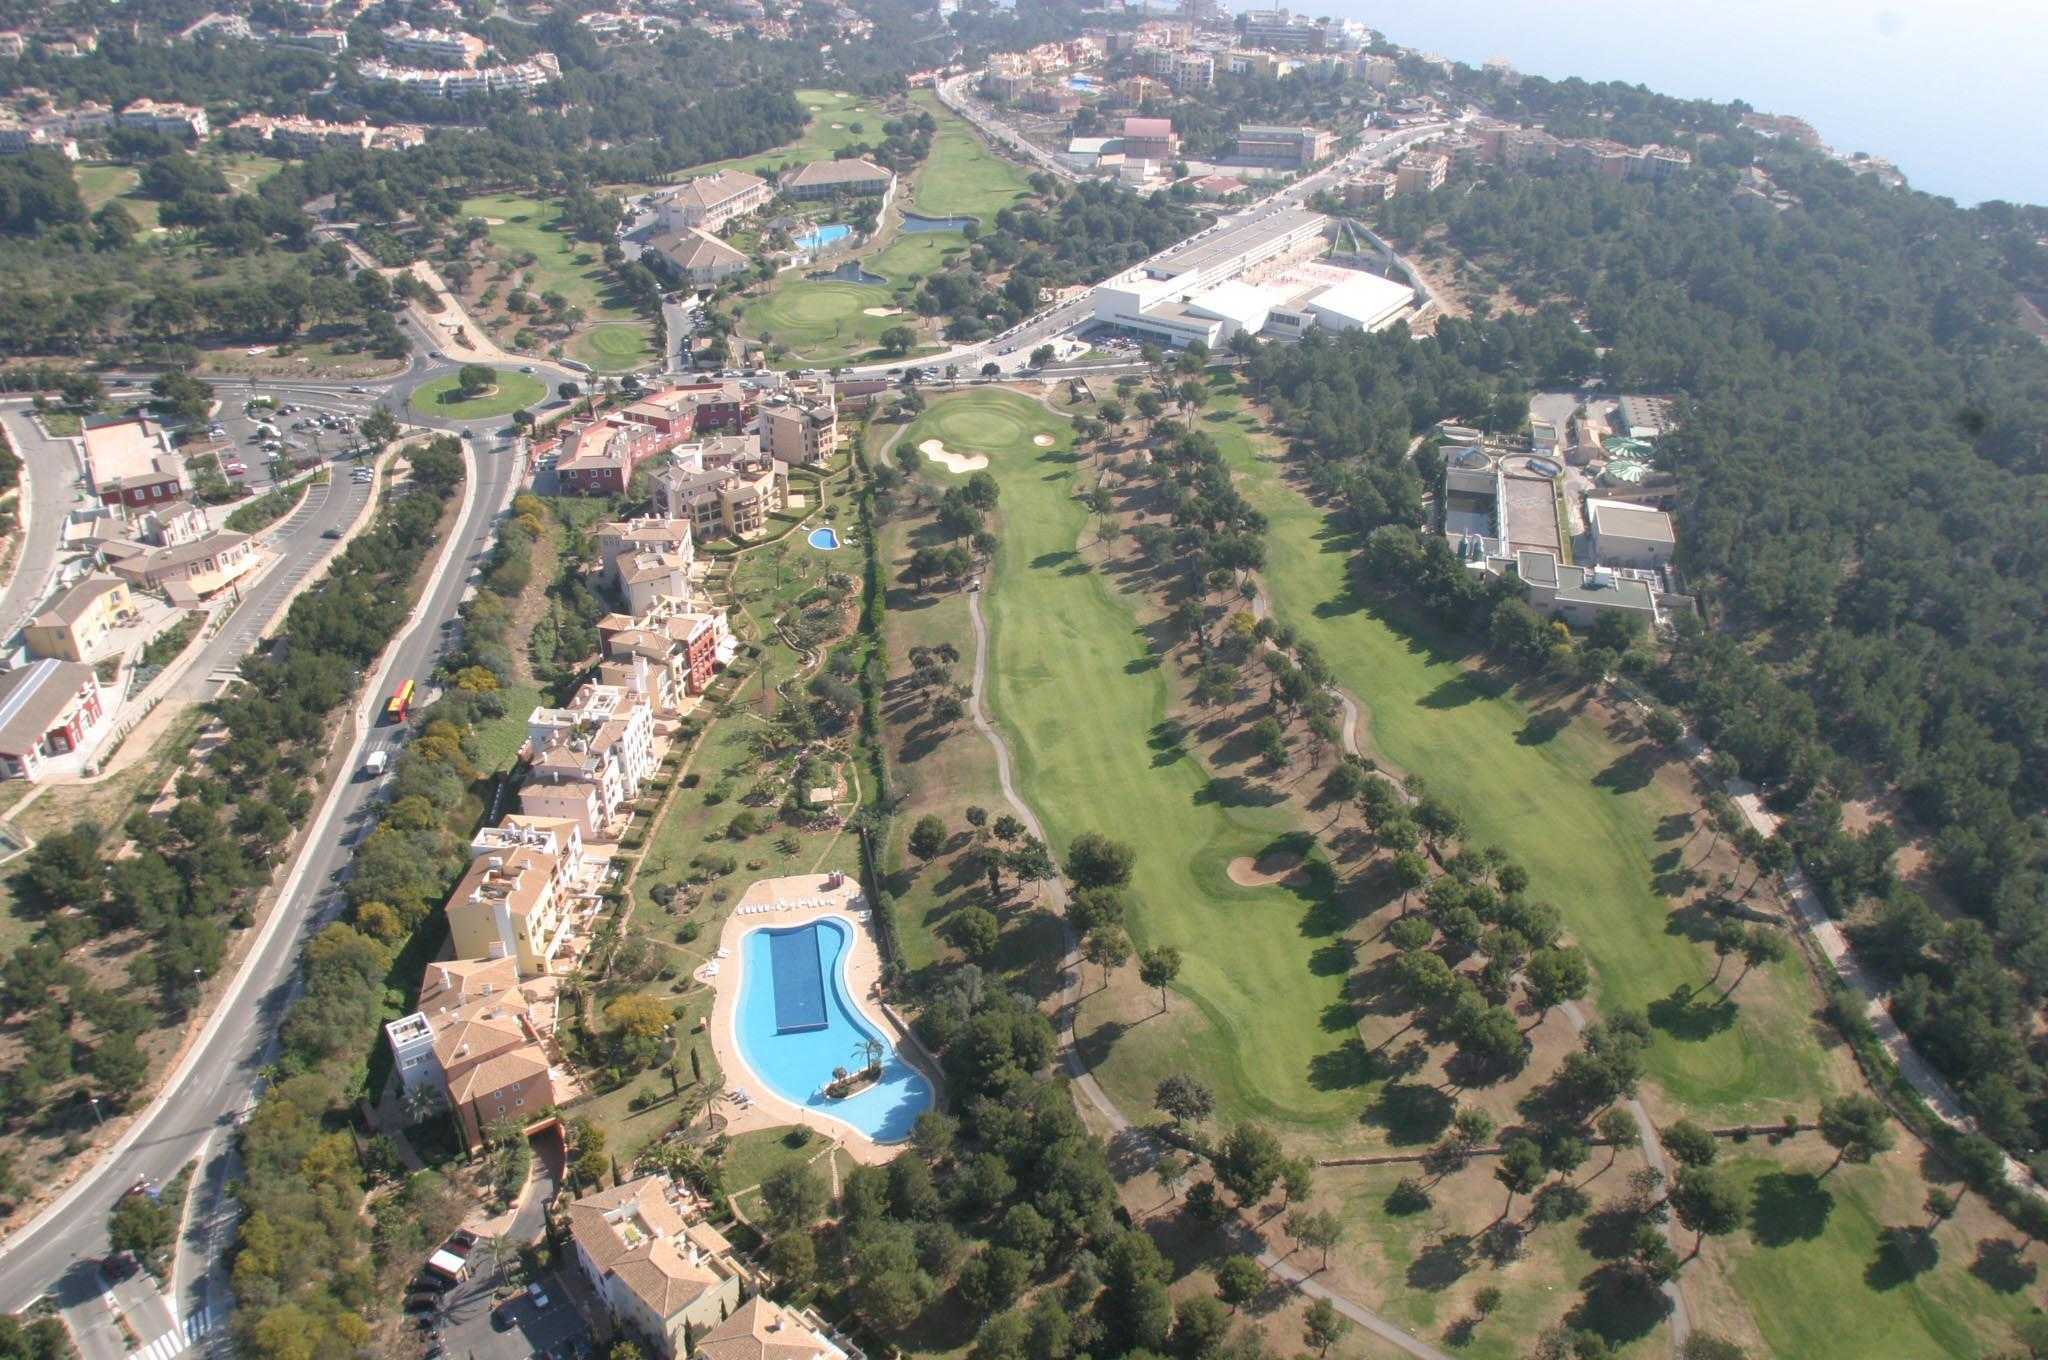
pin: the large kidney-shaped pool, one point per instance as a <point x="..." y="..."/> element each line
<point x="795" y="1023"/>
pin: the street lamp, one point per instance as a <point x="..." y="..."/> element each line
<point x="98" y="1118"/>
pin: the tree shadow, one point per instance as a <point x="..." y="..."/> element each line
<point x="1628" y="773"/>
<point x="1618" y="1304"/>
<point x="1410" y="1113"/>
<point x="1904" y="1254"/>
<point x="1684" y="1015"/>
<point x="1608" y="1234"/>
<point x="2002" y="1264"/>
<point x="1543" y="727"/>
<point x="1347" y="1066"/>
<point x="1441" y="1264"/>
<point x="1789" y="1206"/>
<point x="1332" y="958"/>
<point x="1236" y="791"/>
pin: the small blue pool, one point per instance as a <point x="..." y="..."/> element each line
<point x="794" y="1052"/>
<point x="825" y="539"/>
<point x="818" y="237"/>
<point x="1081" y="82"/>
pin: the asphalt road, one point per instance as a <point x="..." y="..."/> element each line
<point x="59" y="1252"/>
<point x="50" y="472"/>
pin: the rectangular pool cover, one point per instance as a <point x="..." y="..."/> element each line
<point x="799" y="980"/>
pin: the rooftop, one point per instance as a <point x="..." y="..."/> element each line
<point x="835" y="172"/>
<point x="69" y="607"/>
<point x="1233" y="241"/>
<point x="34" y="696"/>
<point x="1630" y="521"/>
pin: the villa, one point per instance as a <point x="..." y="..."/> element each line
<point x="765" y="1330"/>
<point x="831" y="179"/>
<point x="710" y="201"/>
<point x="661" y="1270"/>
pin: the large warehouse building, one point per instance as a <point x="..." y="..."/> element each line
<point x="1259" y="276"/>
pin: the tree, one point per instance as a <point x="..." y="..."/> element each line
<point x="143" y="1225"/>
<point x="1555" y="976"/>
<point x="1708" y="1346"/>
<point x="474" y="379"/>
<point x="1321" y="1229"/>
<point x="793" y="1260"/>
<point x="1762" y="945"/>
<point x="794" y="1196"/>
<point x="1618" y="1130"/>
<point x="928" y="837"/>
<point x="1183" y="1100"/>
<point x="1239" y="1280"/>
<point x="1158" y="968"/>
<point x="896" y="341"/>
<point x="1323" y="1326"/>
<point x="1108" y="948"/>
<point x="1690" y="1144"/>
<point x="639" y="1016"/>
<point x="1520" y="1169"/>
<point x="1249" y="1162"/>
<point x="1041" y="356"/>
<point x="1857" y="1127"/>
<point x="1096" y="861"/>
<point x="977" y="932"/>
<point x="1706" y="1204"/>
<point x="1172" y="1170"/>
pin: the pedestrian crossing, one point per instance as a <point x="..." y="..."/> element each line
<point x="198" y="1326"/>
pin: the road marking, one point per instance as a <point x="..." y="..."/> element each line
<point x="163" y="1348"/>
<point x="199" y="1324"/>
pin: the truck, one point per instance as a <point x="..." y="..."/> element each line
<point x="375" y="763"/>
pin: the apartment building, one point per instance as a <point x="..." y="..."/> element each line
<point x="511" y="903"/>
<point x="587" y="762"/>
<point x="710" y="201"/>
<point x="47" y="708"/>
<point x="647" y="559"/>
<point x="662" y="1271"/>
<point x="763" y="1329"/>
<point x="851" y="178"/>
<point x="1292" y="148"/>
<point x="601" y="458"/>
<point x="688" y="409"/>
<point x="722" y="491"/>
<point x="187" y="573"/>
<point x="440" y="47"/>
<point x="332" y="41"/>
<point x="799" y="430"/>
<point x="459" y="82"/>
<point x="76" y="625"/>
<point x="1421" y="171"/>
<point x="18" y="138"/>
<point x="301" y="136"/>
<point x="1183" y="69"/>
<point x="176" y="120"/>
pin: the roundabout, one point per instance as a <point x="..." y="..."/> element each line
<point x="441" y="398"/>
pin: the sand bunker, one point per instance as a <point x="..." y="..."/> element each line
<point x="950" y="461"/>
<point x="838" y="127"/>
<point x="1044" y="441"/>
<point x="1275" y="866"/>
<point x="881" y="311"/>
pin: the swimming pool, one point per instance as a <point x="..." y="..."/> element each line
<point x="818" y="237"/>
<point x="825" y="539"/>
<point x="794" y="1054"/>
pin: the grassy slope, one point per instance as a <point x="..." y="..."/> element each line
<point x="1562" y="805"/>
<point x="562" y="264"/>
<point x="820" y="139"/>
<point x="961" y="175"/>
<point x="1075" y="687"/>
<point x="613" y="347"/>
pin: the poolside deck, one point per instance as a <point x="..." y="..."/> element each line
<point x="785" y="902"/>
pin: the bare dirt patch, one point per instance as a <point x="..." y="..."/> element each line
<point x="1275" y="866"/>
<point x="952" y="462"/>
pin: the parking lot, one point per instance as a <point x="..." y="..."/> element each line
<point x="474" y="1325"/>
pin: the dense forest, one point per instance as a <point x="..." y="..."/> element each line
<point x="1861" y="459"/>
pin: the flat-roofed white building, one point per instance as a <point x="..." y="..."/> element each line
<point x="1629" y="535"/>
<point x="1164" y="297"/>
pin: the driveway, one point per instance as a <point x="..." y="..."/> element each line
<point x="473" y="1328"/>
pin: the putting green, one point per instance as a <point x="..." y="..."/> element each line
<point x="513" y="392"/>
<point x="821" y="322"/>
<point x="1079" y="695"/>
<point x="613" y="347"/>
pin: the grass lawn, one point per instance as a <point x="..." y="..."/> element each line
<point x="754" y="1157"/>
<point x="820" y="320"/>
<point x="498" y="740"/>
<point x="1564" y="799"/>
<point x="63" y="424"/>
<point x="614" y="346"/>
<point x="1076" y="688"/>
<point x="514" y="391"/>
<point x="820" y="139"/>
<point x="561" y="264"/>
<point x="98" y="182"/>
<point x="1814" y="1266"/>
<point x="962" y="176"/>
<point x="245" y="171"/>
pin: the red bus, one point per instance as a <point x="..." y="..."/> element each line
<point x="400" y="704"/>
